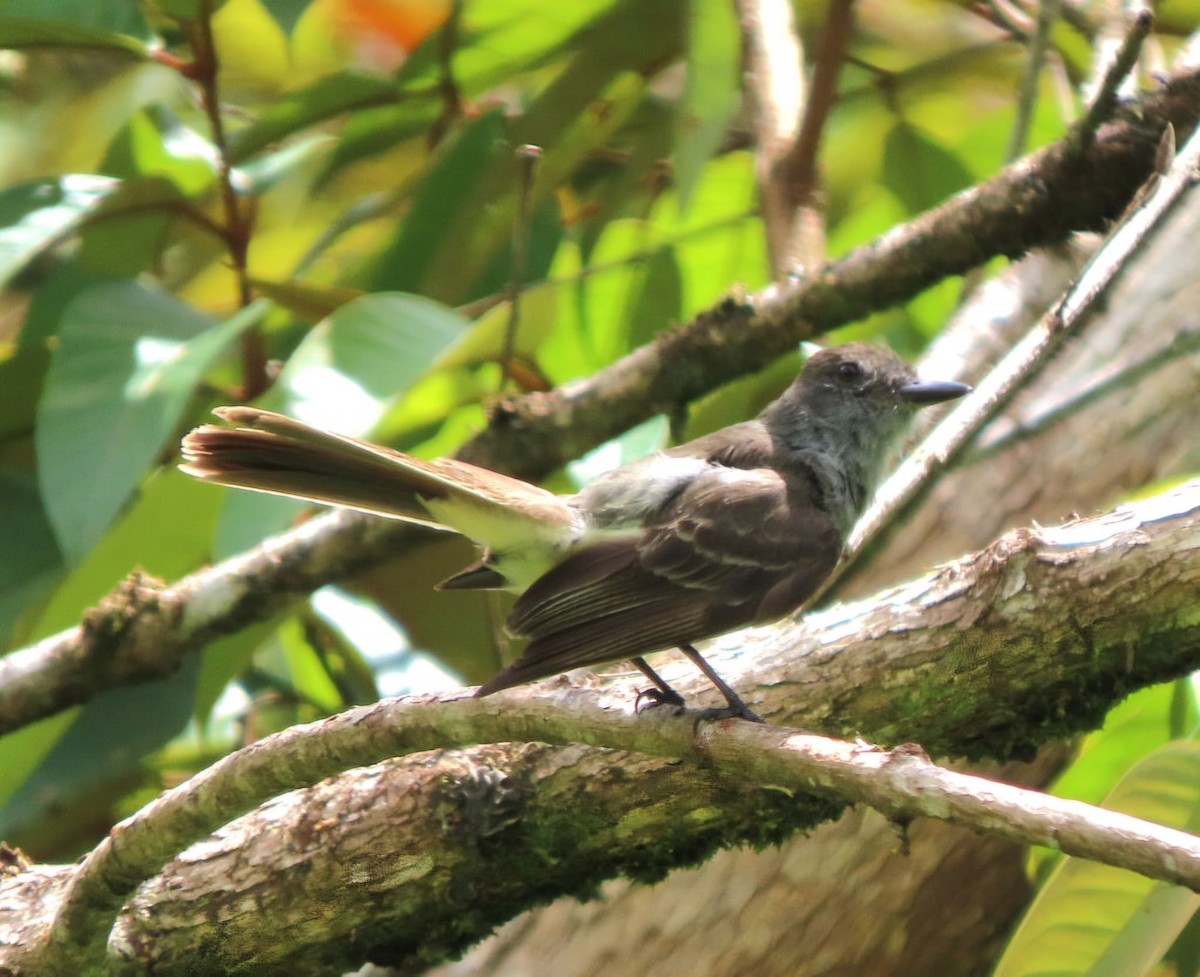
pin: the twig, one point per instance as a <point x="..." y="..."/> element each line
<point x="775" y="83"/>
<point x="1104" y="102"/>
<point x="1029" y="204"/>
<point x="789" y="124"/>
<point x="205" y="71"/>
<point x="799" y="165"/>
<point x="1027" y="93"/>
<point x="447" y="85"/>
<point x="903" y="785"/>
<point x="528" y="158"/>
<point x="144" y="629"/>
<point x="1007" y="17"/>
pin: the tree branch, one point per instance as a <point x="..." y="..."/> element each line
<point x="148" y="638"/>
<point x="1039" y="200"/>
<point x="1080" y="613"/>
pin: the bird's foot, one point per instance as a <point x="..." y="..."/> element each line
<point x="653" y="698"/>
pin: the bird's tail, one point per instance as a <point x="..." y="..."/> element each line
<point x="268" y="452"/>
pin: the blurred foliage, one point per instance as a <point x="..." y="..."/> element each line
<point x="322" y="216"/>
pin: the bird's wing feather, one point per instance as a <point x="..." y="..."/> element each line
<point x="736" y="547"/>
<point x="269" y="452"/>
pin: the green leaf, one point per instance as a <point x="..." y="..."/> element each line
<point x="712" y="91"/>
<point x="22" y="750"/>
<point x="919" y="171"/>
<point x="1132" y="730"/>
<point x="510" y="36"/>
<point x="124" y="235"/>
<point x="153" y="536"/>
<point x="22" y="373"/>
<point x="371" y="349"/>
<point x="222" y="660"/>
<point x="330" y="96"/>
<point x="31" y="32"/>
<point x="186" y="9"/>
<point x="30" y="561"/>
<point x="110" y="15"/>
<point x="485" y="340"/>
<point x="371" y="131"/>
<point x="37" y="215"/>
<point x="95" y="761"/>
<point x="306" y="672"/>
<point x="343" y="376"/>
<point x="1092" y="919"/>
<point x="442" y="203"/>
<point x="309" y="301"/>
<point x="128" y="360"/>
<point x="655" y="300"/>
<point x="154" y="144"/>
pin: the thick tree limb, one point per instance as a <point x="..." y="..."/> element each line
<point x="144" y="629"/>
<point x="834" y="901"/>
<point x="976" y="658"/>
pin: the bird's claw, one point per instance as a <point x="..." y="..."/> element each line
<point x="653" y="698"/>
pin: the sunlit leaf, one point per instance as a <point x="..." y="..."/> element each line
<point x="1089" y="918"/>
<point x="366" y="353"/>
<point x="329" y="97"/>
<point x="919" y="171"/>
<point x="253" y="50"/>
<point x="35" y="215"/>
<point x="29" y="32"/>
<point x="714" y="64"/>
<point x="128" y="360"/>
<point x="311" y="301"/>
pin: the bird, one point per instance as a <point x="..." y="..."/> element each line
<point x="738" y="527"/>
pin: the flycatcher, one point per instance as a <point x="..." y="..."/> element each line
<point x="736" y="528"/>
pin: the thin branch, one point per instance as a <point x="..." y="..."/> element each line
<point x="145" y="629"/>
<point x="527" y="158"/>
<point x="775" y="84"/>
<point x="801" y="161"/>
<point x="1100" y="387"/>
<point x="447" y="86"/>
<point x="1039" y="200"/>
<point x="1104" y="102"/>
<point x="1027" y="93"/>
<point x="788" y="141"/>
<point x="1005" y="16"/>
<point x="903" y="784"/>
<point x="238" y="223"/>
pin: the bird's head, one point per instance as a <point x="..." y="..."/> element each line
<point x="843" y="412"/>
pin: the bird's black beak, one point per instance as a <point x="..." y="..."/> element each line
<point x="922" y="392"/>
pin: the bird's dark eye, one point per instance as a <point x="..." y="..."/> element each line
<point x="850" y="371"/>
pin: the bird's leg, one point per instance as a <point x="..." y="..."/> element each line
<point x="736" y="709"/>
<point x="661" y="695"/>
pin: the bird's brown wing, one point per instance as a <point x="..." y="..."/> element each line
<point x="735" y="548"/>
